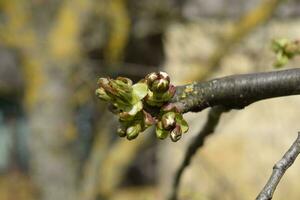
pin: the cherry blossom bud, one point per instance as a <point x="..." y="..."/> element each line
<point x="168" y="120"/>
<point x="133" y="131"/>
<point x="176" y="134"/>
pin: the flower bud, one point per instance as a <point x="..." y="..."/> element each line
<point x="176" y="134"/>
<point x="100" y="93"/>
<point x="121" y="132"/>
<point x="160" y="132"/>
<point x="133" y="131"/>
<point x="160" y="85"/>
<point x="148" y="119"/>
<point x="125" y="117"/>
<point x="150" y="78"/>
<point x="168" y="120"/>
<point x="164" y="75"/>
<point x="125" y="80"/>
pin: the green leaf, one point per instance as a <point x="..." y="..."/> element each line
<point x="136" y="108"/>
<point x="140" y="90"/>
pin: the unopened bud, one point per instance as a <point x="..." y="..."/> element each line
<point x="125" y="80"/>
<point x="100" y="93"/>
<point x="160" y="85"/>
<point x="164" y="75"/>
<point x="160" y="132"/>
<point x="148" y="119"/>
<point x="103" y="81"/>
<point x="125" y="116"/>
<point x="168" y="120"/>
<point x="133" y="131"/>
<point x="121" y="132"/>
<point x="176" y="134"/>
<point x="150" y="78"/>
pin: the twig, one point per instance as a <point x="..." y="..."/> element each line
<point x="237" y="91"/>
<point x="209" y="127"/>
<point x="279" y="169"/>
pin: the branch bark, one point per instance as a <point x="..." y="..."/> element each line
<point x="237" y="91"/>
<point x="279" y="169"/>
<point x="209" y="128"/>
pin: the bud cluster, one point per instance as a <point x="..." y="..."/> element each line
<point x="171" y="124"/>
<point x="285" y="50"/>
<point x="129" y="102"/>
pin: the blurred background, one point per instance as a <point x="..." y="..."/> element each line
<point x="58" y="142"/>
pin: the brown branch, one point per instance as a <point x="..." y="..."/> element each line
<point x="279" y="169"/>
<point x="237" y="91"/>
<point x="209" y="128"/>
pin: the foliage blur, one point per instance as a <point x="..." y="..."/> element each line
<point x="57" y="140"/>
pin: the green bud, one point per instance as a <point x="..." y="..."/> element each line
<point x="160" y="132"/>
<point x="133" y="131"/>
<point x="148" y="119"/>
<point x="125" y="80"/>
<point x="176" y="134"/>
<point x="121" y="132"/>
<point x="182" y="123"/>
<point x="100" y="93"/>
<point x="164" y="75"/>
<point x="150" y="78"/>
<point x="160" y="85"/>
<point x="126" y="117"/>
<point x="168" y="120"/>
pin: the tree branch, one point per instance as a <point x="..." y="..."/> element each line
<point x="279" y="169"/>
<point x="209" y="127"/>
<point x="237" y="91"/>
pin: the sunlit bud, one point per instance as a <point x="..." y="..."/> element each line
<point x="176" y="134"/>
<point x="125" y="116"/>
<point x="125" y="80"/>
<point x="150" y="78"/>
<point x="103" y="81"/>
<point x="133" y="131"/>
<point x="100" y="93"/>
<point x="121" y="132"/>
<point x="148" y="119"/>
<point x="164" y="75"/>
<point x="160" y="85"/>
<point x="168" y="120"/>
<point x="160" y="132"/>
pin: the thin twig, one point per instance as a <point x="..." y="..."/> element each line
<point x="209" y="127"/>
<point x="279" y="169"/>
